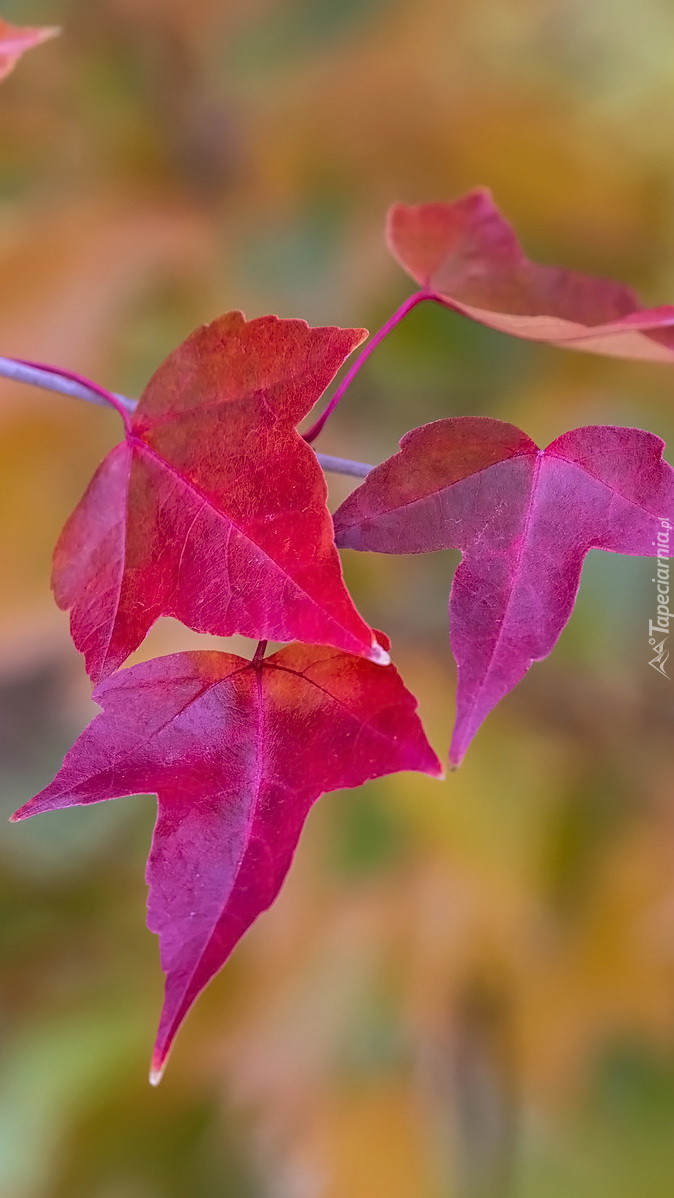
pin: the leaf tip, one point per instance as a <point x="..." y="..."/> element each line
<point x="459" y="744"/>
<point x="379" y="655"/>
<point x="156" y="1074"/>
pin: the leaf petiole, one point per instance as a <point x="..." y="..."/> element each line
<point x="259" y="653"/>
<point x="400" y="314"/>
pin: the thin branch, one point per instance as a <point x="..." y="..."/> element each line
<point x="343" y="466"/>
<point x="68" y="383"/>
<point x="362" y="358"/>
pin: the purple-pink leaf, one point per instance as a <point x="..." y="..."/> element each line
<point x="237" y="752"/>
<point x="213" y="508"/>
<point x="466" y="255"/>
<point x="524" y="518"/>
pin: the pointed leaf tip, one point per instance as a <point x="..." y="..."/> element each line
<point x="379" y="655"/>
<point x="16" y="39"/>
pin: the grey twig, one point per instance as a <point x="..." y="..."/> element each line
<point x="48" y="380"/>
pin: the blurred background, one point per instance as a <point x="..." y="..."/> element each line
<point x="466" y="989"/>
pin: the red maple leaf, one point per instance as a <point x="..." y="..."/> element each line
<point x="466" y="255"/>
<point x="524" y="519"/>
<point x="213" y="509"/>
<point x="15" y="40"/>
<point x="237" y="752"/>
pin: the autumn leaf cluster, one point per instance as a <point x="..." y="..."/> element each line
<point x="213" y="510"/>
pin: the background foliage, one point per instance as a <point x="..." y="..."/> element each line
<point x="466" y="989"/>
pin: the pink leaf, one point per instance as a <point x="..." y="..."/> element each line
<point x="467" y="256"/>
<point x="213" y="509"/>
<point x="524" y="519"/>
<point x="15" y="40"/>
<point x="237" y="753"/>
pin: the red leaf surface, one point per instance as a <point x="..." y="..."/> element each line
<point x="237" y="752"/>
<point x="524" y="519"/>
<point x="15" y="40"/>
<point x="467" y="256"/>
<point x="213" y="509"/>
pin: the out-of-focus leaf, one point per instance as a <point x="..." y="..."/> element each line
<point x="467" y="256"/>
<point x="16" y="39"/>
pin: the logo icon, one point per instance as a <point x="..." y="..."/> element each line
<point x="661" y="656"/>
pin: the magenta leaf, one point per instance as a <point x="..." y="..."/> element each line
<point x="524" y="518"/>
<point x="213" y="509"/>
<point x="466" y="255"/>
<point x="237" y="752"/>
